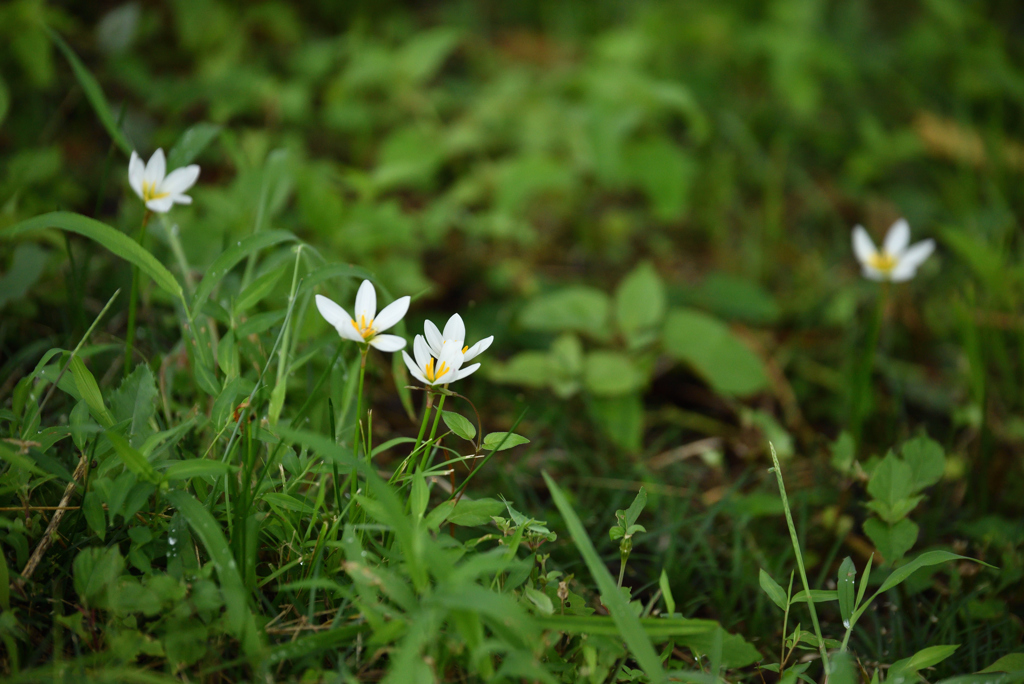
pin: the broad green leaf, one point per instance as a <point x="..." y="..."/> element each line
<point x="287" y="502"/>
<point x="844" y="669"/>
<point x="501" y="441"/>
<point x="893" y="514"/>
<point x="19" y="460"/>
<point x="892" y="481"/>
<point x="926" y="459"/>
<point x="611" y="373"/>
<point x="466" y="513"/>
<point x="637" y="507"/>
<point x="639" y="300"/>
<point x="92" y="508"/>
<point x="1012" y="662"/>
<point x="892" y="541"/>
<point x="572" y="309"/>
<point x="132" y="459"/>
<point x="90" y="392"/>
<point x="114" y="240"/>
<point x="93" y="92"/>
<point x="846" y="589"/>
<point x="714" y="352"/>
<point x="259" y="288"/>
<point x="620" y="418"/>
<point x="191" y="143"/>
<point x="27" y="265"/>
<point x="629" y="626"/>
<point x="730" y="650"/>
<point x="734" y="298"/>
<point x="924" y="560"/>
<point x="239" y="618"/>
<point x="135" y="402"/>
<point x="460" y="425"/>
<point x="230" y="257"/>
<point x="664" y="172"/>
<point x="926" y="657"/>
<point x="775" y="592"/>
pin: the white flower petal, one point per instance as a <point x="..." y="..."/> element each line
<point x="136" y="169"/>
<point x="452" y="356"/>
<point x="387" y="343"/>
<point x="468" y="370"/>
<point x="421" y="351"/>
<point x="872" y="273"/>
<point x="897" y="239"/>
<point x="478" y="348"/>
<point x="180" y="180"/>
<point x="434" y="337"/>
<point x="332" y="312"/>
<point x="455" y="329"/>
<point x="156" y="169"/>
<point x="416" y="372"/>
<point x="391" y="314"/>
<point x="911" y="260"/>
<point x="863" y="247"/>
<point x="161" y="205"/>
<point x="366" y="301"/>
<point x="181" y="199"/>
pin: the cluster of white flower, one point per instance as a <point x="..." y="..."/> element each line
<point x="439" y="357"/>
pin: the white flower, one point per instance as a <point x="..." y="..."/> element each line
<point x="157" y="188"/>
<point x="896" y="262"/>
<point x="454" y="333"/>
<point x="440" y="371"/>
<point x="368" y="324"/>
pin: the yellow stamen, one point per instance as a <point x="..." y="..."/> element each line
<point x="882" y="262"/>
<point x="429" y="370"/>
<point x="149" y="192"/>
<point x="465" y="349"/>
<point x="365" y="330"/>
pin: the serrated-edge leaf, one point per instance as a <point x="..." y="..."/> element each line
<point x="628" y="624"/>
<point x="114" y="240"/>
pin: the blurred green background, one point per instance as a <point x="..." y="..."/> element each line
<point x="648" y="204"/>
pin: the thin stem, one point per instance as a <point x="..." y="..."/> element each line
<point x="799" y="559"/>
<point x="862" y="381"/>
<point x="622" y="567"/>
<point x="133" y="301"/>
<point x="359" y="408"/>
<point x="433" y="431"/>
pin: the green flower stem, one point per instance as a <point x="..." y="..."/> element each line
<point x="799" y="560"/>
<point x="359" y="410"/>
<point x="862" y="381"/>
<point x="433" y="431"/>
<point x="133" y="301"/>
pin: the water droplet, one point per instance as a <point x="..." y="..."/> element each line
<point x="846" y="624"/>
<point x="239" y="243"/>
<point x="363" y="554"/>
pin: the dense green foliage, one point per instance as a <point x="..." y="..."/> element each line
<point x="649" y="206"/>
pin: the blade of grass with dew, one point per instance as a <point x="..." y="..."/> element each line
<point x="93" y="92"/>
<point x="239" y="618"/>
<point x="114" y="240"/>
<point x="629" y="625"/>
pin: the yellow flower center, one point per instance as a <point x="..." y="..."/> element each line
<point x="363" y="328"/>
<point x="149" y="192"/>
<point x="882" y="262"/>
<point x="429" y="373"/>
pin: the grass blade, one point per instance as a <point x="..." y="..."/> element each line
<point x="628" y="624"/>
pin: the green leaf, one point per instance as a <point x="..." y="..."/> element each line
<point x="474" y="513"/>
<point x="893" y="514"/>
<point x="90" y="392"/>
<point x="132" y="459"/>
<point x="114" y="240"/>
<point x="93" y="92"/>
<point x="714" y="352"/>
<point x="629" y="626"/>
<point x="846" y="589"/>
<point x="611" y="373"/>
<point x="637" y="507"/>
<point x="892" y="481"/>
<point x="500" y="441"/>
<point x="27" y="265"/>
<point x="926" y="459"/>
<point x="573" y="309"/>
<point x="817" y="595"/>
<point x="926" y="657"/>
<point x="5" y="574"/>
<point x="92" y="508"/>
<point x="191" y="143"/>
<point x="197" y="467"/>
<point x="892" y="541"/>
<point x="775" y="592"/>
<point x="230" y="257"/>
<point x="666" y="592"/>
<point x="657" y="629"/>
<point x="639" y="300"/>
<point x="621" y="419"/>
<point x="1012" y="662"/>
<point x="459" y="425"/>
<point x="924" y="560"/>
<point x="239" y="618"/>
<point x="259" y="288"/>
<point x="135" y="402"/>
<point x="844" y="669"/>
